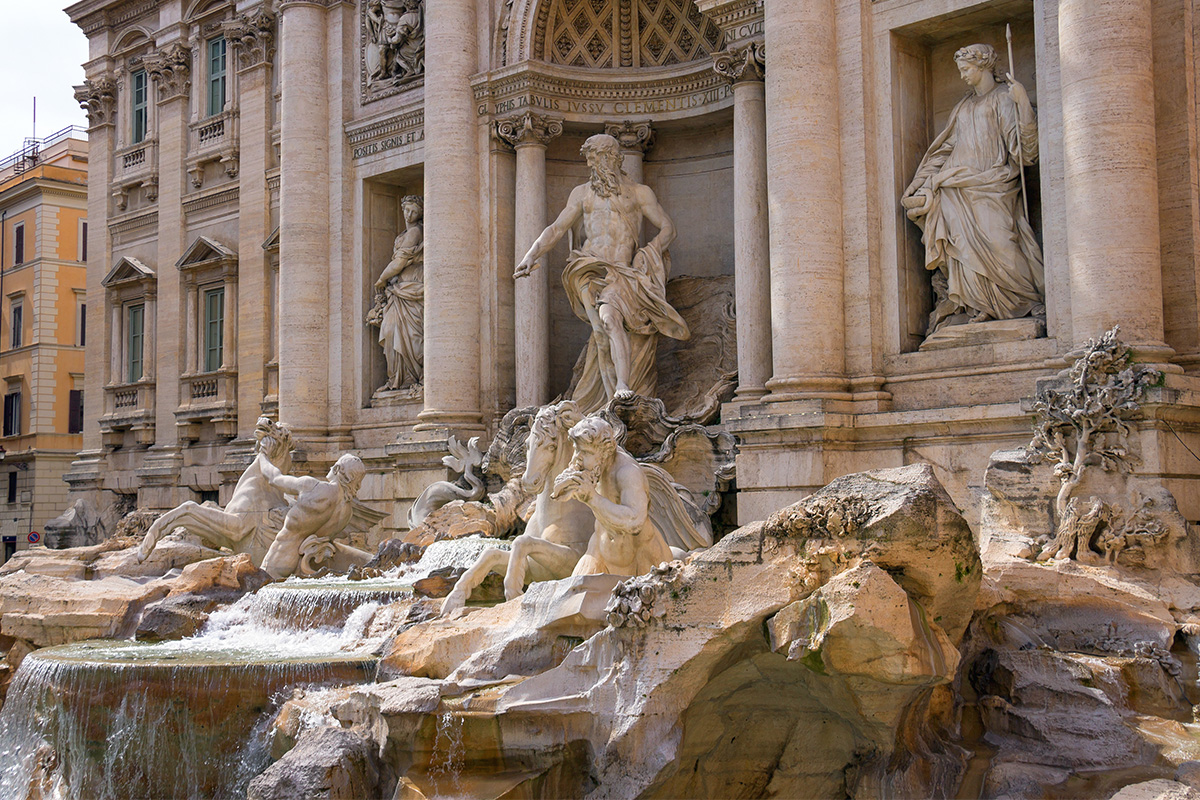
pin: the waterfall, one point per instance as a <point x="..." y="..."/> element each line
<point x="121" y="720"/>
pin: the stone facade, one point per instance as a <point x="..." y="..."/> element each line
<point x="43" y="200"/>
<point x="258" y="152"/>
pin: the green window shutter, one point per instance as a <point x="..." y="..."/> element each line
<point x="214" y="329"/>
<point x="136" y="326"/>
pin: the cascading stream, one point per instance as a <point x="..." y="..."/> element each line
<point x="189" y="718"/>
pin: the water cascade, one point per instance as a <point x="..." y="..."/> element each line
<point x="189" y="718"/>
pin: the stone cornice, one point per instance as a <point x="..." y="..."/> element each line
<point x="599" y="97"/>
<point x="635" y="136"/>
<point x="739" y="19"/>
<point x="93" y="15"/>
<point x="400" y="129"/>
<point x="528" y="129"/>
<point x="745" y="63"/>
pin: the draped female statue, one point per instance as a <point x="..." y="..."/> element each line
<point x="966" y="198"/>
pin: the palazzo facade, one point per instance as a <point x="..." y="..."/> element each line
<point x="252" y="162"/>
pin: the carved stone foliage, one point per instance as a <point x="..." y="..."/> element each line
<point x="632" y="135"/>
<point x="171" y="69"/>
<point x="609" y="34"/>
<point x="253" y="38"/>
<point x="393" y="45"/>
<point x="528" y="128"/>
<point x="633" y="602"/>
<point x="745" y="63"/>
<point x="1083" y="422"/>
<point x="98" y="98"/>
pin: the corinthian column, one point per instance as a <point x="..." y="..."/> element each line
<point x="805" y="195"/>
<point x="636" y="139"/>
<point x="744" y="67"/>
<point x="1110" y="171"/>
<point x="304" y="217"/>
<point x="529" y="134"/>
<point x="452" y="253"/>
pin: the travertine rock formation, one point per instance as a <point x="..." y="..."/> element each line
<point x="806" y="620"/>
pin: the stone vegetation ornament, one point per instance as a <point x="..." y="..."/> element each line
<point x="966" y="198"/>
<point x="633" y="601"/>
<point x="1083" y="424"/>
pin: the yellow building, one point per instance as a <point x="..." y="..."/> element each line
<point x="43" y="242"/>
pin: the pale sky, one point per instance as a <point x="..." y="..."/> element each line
<point x="41" y="54"/>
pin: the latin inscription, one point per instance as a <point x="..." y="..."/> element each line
<point x="390" y="143"/>
<point x="663" y="105"/>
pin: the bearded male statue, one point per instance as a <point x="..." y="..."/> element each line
<point x="618" y="289"/>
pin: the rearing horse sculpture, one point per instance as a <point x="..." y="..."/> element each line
<point x="557" y="534"/>
<point x="246" y="524"/>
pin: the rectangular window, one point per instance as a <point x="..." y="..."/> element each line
<point x="214" y="329"/>
<point x="81" y="325"/>
<point x="140" y="105"/>
<point x="135" y="328"/>
<point x="18" y="244"/>
<point x="18" y="323"/>
<point x="83" y="240"/>
<point x="75" y="412"/>
<point x="216" y="75"/>
<point x="12" y="413"/>
<point x="12" y="487"/>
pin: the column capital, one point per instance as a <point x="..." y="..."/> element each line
<point x="171" y="69"/>
<point x="98" y="97"/>
<point x="528" y="129"/>
<point x="745" y="63"/>
<point x="632" y="136"/>
<point x="253" y="37"/>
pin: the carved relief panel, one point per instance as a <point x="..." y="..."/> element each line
<point x="393" y="46"/>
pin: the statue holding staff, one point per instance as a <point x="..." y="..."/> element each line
<point x="966" y="198"/>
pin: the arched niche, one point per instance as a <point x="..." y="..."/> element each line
<point x="607" y="34"/>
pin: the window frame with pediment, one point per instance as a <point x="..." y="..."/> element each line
<point x="129" y="404"/>
<point x="135" y="161"/>
<point x="208" y="395"/>
<point x="212" y="134"/>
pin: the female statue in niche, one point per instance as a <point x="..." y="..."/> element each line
<point x="967" y="200"/>
<point x="399" y="310"/>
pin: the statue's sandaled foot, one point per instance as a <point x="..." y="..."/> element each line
<point x="982" y="316"/>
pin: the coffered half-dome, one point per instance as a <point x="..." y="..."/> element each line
<point x="611" y="34"/>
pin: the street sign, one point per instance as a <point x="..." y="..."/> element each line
<point x="34" y="537"/>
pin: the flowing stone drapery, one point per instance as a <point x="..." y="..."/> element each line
<point x="304" y="218"/>
<point x="452" y="252"/>
<point x="744" y="67"/>
<point x="805" y="196"/>
<point x="529" y="134"/>
<point x="1110" y="173"/>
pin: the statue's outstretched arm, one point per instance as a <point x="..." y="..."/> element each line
<point x="553" y="233"/>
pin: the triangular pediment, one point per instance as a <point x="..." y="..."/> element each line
<point x="272" y="242"/>
<point x="205" y="251"/>
<point x="127" y="270"/>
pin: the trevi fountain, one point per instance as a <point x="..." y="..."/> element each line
<point x="628" y="399"/>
